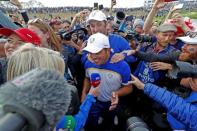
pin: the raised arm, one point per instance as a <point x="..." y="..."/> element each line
<point x="21" y="10"/>
<point x="149" y="20"/>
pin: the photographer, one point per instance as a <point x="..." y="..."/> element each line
<point x="73" y="42"/>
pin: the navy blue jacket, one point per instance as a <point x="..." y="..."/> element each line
<point x="144" y="72"/>
<point x="183" y="111"/>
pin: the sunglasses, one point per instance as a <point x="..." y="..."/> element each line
<point x="191" y="34"/>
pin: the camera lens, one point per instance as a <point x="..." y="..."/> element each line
<point x="66" y="36"/>
<point x="136" y="124"/>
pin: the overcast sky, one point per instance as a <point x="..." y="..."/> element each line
<point x="106" y="3"/>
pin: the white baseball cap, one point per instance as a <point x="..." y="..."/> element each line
<point x="189" y="40"/>
<point x="97" y="15"/>
<point x="97" y="42"/>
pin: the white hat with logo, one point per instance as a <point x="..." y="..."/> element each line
<point x="189" y="40"/>
<point x="97" y="42"/>
<point x="97" y="15"/>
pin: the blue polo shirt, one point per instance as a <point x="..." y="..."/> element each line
<point x="117" y="45"/>
<point x="144" y="72"/>
<point x="113" y="77"/>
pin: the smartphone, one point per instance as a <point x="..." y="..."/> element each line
<point x="170" y="0"/>
<point x="96" y="6"/>
<point x="100" y="7"/>
<point x="179" y="6"/>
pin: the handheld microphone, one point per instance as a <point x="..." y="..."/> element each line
<point x="95" y="79"/>
<point x="37" y="93"/>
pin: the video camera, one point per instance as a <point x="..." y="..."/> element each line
<point x="74" y="34"/>
<point x="119" y="17"/>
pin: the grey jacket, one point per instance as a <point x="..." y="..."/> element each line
<point x="150" y="57"/>
<point x="183" y="69"/>
<point x="180" y="69"/>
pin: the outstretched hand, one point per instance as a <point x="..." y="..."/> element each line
<point x="160" y="66"/>
<point x="117" y="57"/>
<point x="16" y="3"/>
<point x="94" y="91"/>
<point x="159" y="4"/>
<point x="135" y="81"/>
<point x="114" y="101"/>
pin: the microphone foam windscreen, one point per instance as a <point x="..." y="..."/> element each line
<point x="43" y="90"/>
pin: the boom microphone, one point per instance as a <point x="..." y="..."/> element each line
<point x="37" y="93"/>
<point x="95" y="79"/>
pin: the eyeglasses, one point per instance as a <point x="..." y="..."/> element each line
<point x="191" y="34"/>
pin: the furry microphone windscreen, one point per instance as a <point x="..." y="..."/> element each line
<point x="40" y="89"/>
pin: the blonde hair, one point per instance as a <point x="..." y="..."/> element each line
<point x="53" y="40"/>
<point x="28" y="57"/>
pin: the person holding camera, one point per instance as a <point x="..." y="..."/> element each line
<point x="98" y="23"/>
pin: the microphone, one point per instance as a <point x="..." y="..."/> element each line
<point x="95" y="79"/>
<point x="35" y="100"/>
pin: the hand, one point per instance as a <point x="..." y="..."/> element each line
<point x="94" y="91"/>
<point x="117" y="57"/>
<point x="160" y="66"/>
<point x="193" y="84"/>
<point x="16" y="3"/>
<point x="137" y="82"/>
<point x="178" y="21"/>
<point x="129" y="52"/>
<point x="81" y="14"/>
<point x="83" y="95"/>
<point x="114" y="101"/>
<point x="113" y="3"/>
<point x="158" y="4"/>
<point x="185" y="82"/>
<point x="174" y="8"/>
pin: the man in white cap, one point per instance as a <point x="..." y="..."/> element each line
<point x="98" y="23"/>
<point x="114" y="80"/>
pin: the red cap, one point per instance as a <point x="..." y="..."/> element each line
<point x="25" y="34"/>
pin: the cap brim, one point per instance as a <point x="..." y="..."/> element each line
<point x="92" y="49"/>
<point x="88" y="21"/>
<point x="167" y="30"/>
<point x="188" y="40"/>
<point x="6" y="31"/>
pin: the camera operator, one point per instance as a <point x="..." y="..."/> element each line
<point x="73" y="42"/>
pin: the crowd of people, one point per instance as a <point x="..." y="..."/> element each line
<point x="117" y="66"/>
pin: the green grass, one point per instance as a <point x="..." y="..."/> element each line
<point x="192" y="14"/>
<point x="185" y="13"/>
